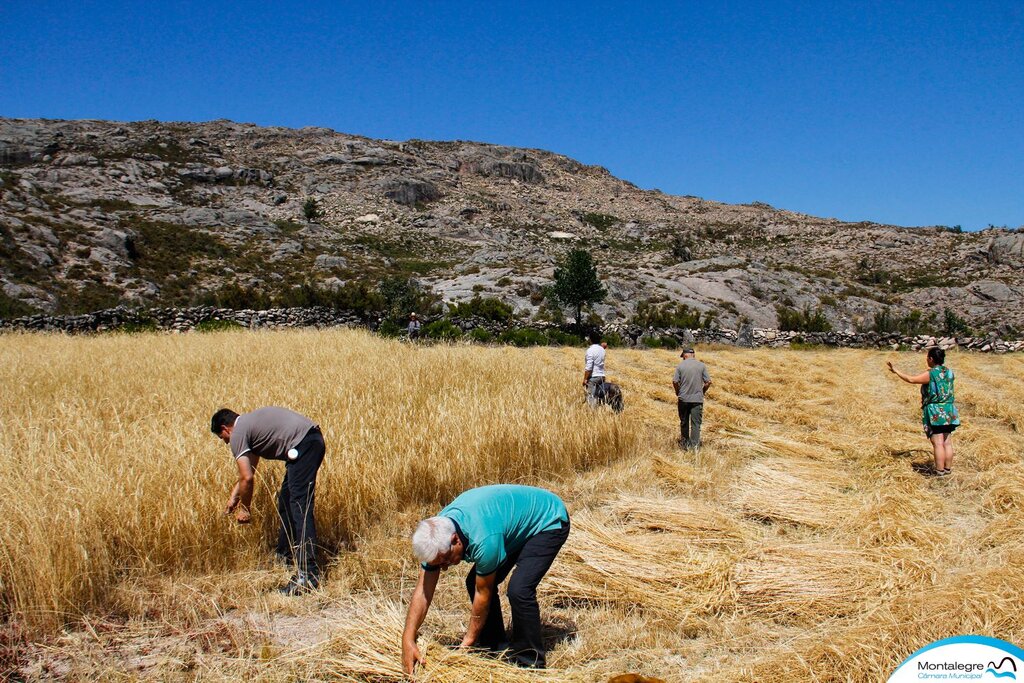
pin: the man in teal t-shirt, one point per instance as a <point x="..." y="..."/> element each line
<point x="496" y="528"/>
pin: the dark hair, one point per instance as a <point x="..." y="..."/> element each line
<point x="225" y="417"/>
<point x="595" y="337"/>
<point x="937" y="355"/>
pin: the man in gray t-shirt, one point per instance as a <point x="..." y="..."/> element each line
<point x="278" y="434"/>
<point x="690" y="382"/>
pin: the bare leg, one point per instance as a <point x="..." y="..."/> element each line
<point x="948" y="452"/>
<point x="938" y="450"/>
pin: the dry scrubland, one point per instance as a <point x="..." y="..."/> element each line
<point x="799" y="544"/>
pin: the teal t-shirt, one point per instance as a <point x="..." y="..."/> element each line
<point x="498" y="520"/>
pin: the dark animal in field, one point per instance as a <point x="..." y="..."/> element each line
<point x="610" y="394"/>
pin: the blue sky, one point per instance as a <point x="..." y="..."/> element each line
<point x="900" y="112"/>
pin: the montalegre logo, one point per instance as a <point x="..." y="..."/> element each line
<point x="963" y="658"/>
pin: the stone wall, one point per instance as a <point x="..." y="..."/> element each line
<point x="186" y="319"/>
<point x="181" y="319"/>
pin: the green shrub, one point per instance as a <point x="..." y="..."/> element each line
<point x="141" y="327"/>
<point x="233" y="295"/>
<point x="217" y="326"/>
<point x="560" y="338"/>
<point x="488" y="308"/>
<point x="389" y="328"/>
<point x="601" y="221"/>
<point x="614" y="340"/>
<point x="664" y="341"/>
<point x="650" y="314"/>
<point x="913" y="323"/>
<point x="401" y="296"/>
<point x="13" y="308"/>
<point x="869" y="274"/>
<point x="93" y="296"/>
<point x="954" y="325"/>
<point x="481" y="334"/>
<point x="288" y="227"/>
<point x="806" y="320"/>
<point x="523" y="337"/>
<point x="682" y="249"/>
<point x="442" y="329"/>
<point x="162" y="248"/>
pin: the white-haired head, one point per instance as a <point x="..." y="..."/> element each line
<point x="433" y="537"/>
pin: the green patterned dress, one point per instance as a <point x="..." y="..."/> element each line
<point x="937" y="400"/>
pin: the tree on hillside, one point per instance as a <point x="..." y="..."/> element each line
<point x="576" y="282"/>
<point x="311" y="209"/>
<point x="403" y="296"/>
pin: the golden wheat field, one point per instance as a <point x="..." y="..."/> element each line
<point x="801" y="543"/>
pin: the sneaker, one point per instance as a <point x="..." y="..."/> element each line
<point x="300" y="584"/>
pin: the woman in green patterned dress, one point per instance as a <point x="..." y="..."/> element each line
<point x="938" y="413"/>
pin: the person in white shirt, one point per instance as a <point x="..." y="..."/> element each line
<point x="414" y="326"/>
<point x="593" y="367"/>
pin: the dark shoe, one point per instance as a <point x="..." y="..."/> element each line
<point x="527" y="660"/>
<point x="300" y="584"/>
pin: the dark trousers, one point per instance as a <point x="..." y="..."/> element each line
<point x="296" y="541"/>
<point x="531" y="564"/>
<point x="690" y="417"/>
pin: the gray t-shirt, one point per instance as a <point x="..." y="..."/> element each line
<point x="691" y="375"/>
<point x="268" y="433"/>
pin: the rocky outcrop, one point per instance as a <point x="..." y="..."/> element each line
<point x="95" y="213"/>
<point x="526" y="172"/>
<point x="1006" y="249"/>
<point x="409" y="191"/>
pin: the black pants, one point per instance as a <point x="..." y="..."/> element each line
<point x="531" y="564"/>
<point x="296" y="541"/>
<point x="690" y="417"/>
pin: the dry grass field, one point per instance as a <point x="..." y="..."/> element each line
<point x="801" y="543"/>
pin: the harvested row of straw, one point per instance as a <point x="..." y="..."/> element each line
<point x="677" y="472"/>
<point x="656" y="572"/>
<point x="1005" y="491"/>
<point x="368" y="647"/>
<point x="868" y="648"/>
<point x="790" y="491"/>
<point x="801" y="584"/>
<point x="685" y="518"/>
<point x="897" y="516"/>
<point x="763" y="442"/>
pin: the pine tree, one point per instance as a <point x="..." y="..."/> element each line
<point x="576" y="282"/>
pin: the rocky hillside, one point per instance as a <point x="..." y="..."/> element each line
<point x="96" y="213"/>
